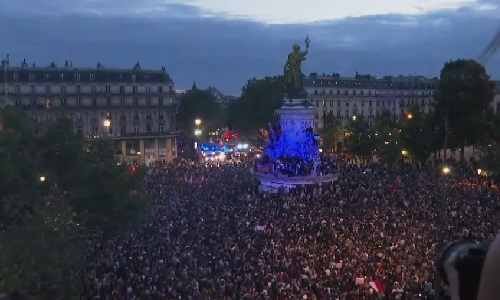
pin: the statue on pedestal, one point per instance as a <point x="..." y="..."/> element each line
<point x="294" y="82"/>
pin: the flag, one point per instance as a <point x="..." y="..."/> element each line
<point x="377" y="286"/>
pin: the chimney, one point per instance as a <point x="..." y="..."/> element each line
<point x="24" y="65"/>
<point x="7" y="58"/>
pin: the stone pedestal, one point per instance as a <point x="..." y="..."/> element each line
<point x="296" y="117"/>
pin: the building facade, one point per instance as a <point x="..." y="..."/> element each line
<point x="365" y="95"/>
<point x="135" y="108"/>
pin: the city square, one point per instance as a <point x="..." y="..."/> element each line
<point x="118" y="184"/>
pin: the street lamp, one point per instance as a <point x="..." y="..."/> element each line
<point x="107" y="124"/>
<point x="354" y="118"/>
<point x="479" y="171"/>
<point x="197" y="133"/>
<point x="409" y="116"/>
<point x="42" y="178"/>
<point x="446" y="170"/>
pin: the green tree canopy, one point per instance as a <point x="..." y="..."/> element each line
<point x="416" y="134"/>
<point x="257" y="105"/>
<point x="332" y="131"/>
<point x="360" y="140"/>
<point x="463" y="98"/>
<point x="490" y="158"/>
<point x="200" y="104"/>
<point x="388" y="140"/>
<point x="53" y="188"/>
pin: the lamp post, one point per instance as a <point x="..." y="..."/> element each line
<point x="197" y="133"/>
<point x="409" y="116"/>
<point x="107" y="124"/>
<point x="445" y="170"/>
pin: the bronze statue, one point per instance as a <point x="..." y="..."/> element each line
<point x="294" y="86"/>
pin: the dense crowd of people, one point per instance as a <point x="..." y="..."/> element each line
<point x="212" y="235"/>
<point x="297" y="166"/>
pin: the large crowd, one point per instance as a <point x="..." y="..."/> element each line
<point x="213" y="235"/>
<point x="297" y="166"/>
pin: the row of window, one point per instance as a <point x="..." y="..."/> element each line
<point x="123" y="130"/>
<point x="76" y="76"/>
<point x="49" y="103"/>
<point x="401" y="102"/>
<point x="122" y="116"/>
<point x="370" y="114"/>
<point x="93" y="88"/>
<point x="375" y="93"/>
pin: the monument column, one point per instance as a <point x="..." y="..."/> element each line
<point x="141" y="150"/>
<point x="157" y="150"/>
<point x="124" y="148"/>
<point x="168" y="150"/>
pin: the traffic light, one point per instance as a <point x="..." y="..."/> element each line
<point x="134" y="168"/>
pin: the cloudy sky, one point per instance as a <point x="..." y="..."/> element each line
<point x="224" y="43"/>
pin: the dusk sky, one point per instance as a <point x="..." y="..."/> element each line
<point x="224" y="43"/>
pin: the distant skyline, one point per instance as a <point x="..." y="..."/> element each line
<point x="225" y="43"/>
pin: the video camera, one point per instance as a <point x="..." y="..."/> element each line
<point x="460" y="265"/>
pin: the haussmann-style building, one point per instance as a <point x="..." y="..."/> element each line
<point x="368" y="96"/>
<point x="135" y="108"/>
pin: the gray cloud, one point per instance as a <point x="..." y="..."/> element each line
<point x="225" y="53"/>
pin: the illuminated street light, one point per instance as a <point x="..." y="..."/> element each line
<point x="107" y="123"/>
<point x="42" y="178"/>
<point x="479" y="171"/>
<point x="197" y="122"/>
<point x="404" y="152"/>
<point x="197" y="132"/>
<point x="446" y="170"/>
<point x="409" y="116"/>
<point x="354" y="118"/>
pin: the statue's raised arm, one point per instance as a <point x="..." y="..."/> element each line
<point x="307" y="42"/>
<point x="294" y="85"/>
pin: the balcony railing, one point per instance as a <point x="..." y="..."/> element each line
<point x="131" y="136"/>
<point x="119" y="106"/>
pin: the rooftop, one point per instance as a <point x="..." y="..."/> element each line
<point x="68" y="73"/>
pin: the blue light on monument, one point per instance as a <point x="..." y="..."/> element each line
<point x="293" y="141"/>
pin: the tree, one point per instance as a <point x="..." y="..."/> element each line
<point x="463" y="98"/>
<point x="490" y="151"/>
<point x="389" y="144"/>
<point x="332" y="132"/>
<point x="360" y="140"/>
<point x="38" y="253"/>
<point x="256" y="107"/>
<point x="52" y="190"/>
<point x="200" y="104"/>
<point x="416" y="134"/>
